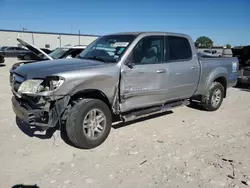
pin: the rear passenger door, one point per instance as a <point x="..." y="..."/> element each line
<point x="183" y="68"/>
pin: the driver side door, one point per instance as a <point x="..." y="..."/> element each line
<point x="143" y="84"/>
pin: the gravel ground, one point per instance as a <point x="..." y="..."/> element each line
<point x="186" y="148"/>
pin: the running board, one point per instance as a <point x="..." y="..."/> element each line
<point x="154" y="110"/>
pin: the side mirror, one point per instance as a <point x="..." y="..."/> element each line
<point x="130" y="64"/>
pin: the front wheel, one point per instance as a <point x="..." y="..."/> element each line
<point x="213" y="100"/>
<point x="89" y="123"/>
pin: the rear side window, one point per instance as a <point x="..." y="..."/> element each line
<point x="206" y="51"/>
<point x="179" y="49"/>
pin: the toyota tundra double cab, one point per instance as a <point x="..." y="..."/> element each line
<point x="125" y="75"/>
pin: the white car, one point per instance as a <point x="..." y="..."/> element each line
<point x="211" y="53"/>
<point x="58" y="53"/>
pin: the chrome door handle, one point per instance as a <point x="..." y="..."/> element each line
<point x="161" y="71"/>
<point x="193" y="67"/>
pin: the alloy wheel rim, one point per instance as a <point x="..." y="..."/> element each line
<point x="216" y="97"/>
<point x="94" y="124"/>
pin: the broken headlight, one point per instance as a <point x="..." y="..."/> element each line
<point x="29" y="86"/>
<point x="33" y="86"/>
<point x="50" y="83"/>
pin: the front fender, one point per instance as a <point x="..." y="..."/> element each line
<point x="106" y="84"/>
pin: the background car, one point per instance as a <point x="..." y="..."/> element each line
<point x="211" y="53"/>
<point x="29" y="55"/>
<point x="243" y="55"/>
<point x="12" y="51"/>
<point x="58" y="53"/>
<point x="66" y="52"/>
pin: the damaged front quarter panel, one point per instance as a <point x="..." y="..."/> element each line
<point x="58" y="110"/>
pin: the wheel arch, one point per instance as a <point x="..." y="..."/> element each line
<point x="217" y="75"/>
<point x="91" y="93"/>
<point x="223" y="81"/>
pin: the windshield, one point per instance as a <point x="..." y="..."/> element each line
<point x="108" y="48"/>
<point x="3" y="48"/>
<point x="58" y="53"/>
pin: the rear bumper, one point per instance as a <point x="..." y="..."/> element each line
<point x="244" y="79"/>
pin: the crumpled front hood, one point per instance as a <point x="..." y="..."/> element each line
<point x="45" y="68"/>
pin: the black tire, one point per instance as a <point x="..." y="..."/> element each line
<point x="74" y="123"/>
<point x="207" y="100"/>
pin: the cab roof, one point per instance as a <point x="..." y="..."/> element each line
<point x="149" y="32"/>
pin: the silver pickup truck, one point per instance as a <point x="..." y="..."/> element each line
<point x="125" y="76"/>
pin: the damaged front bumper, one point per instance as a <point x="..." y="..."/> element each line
<point x="45" y="115"/>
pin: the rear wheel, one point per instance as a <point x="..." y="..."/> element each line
<point x="89" y="123"/>
<point x="213" y="100"/>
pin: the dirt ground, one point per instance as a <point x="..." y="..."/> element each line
<point x="186" y="148"/>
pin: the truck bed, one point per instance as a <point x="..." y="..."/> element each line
<point x="227" y="66"/>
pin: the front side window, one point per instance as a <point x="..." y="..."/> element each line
<point x="108" y="48"/>
<point x="10" y="49"/>
<point x="149" y="50"/>
<point x="179" y="48"/>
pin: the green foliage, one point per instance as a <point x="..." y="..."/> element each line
<point x="228" y="46"/>
<point x="204" y="42"/>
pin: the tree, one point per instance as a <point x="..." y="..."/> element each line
<point x="204" y="42"/>
<point x="228" y="46"/>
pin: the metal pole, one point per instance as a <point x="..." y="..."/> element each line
<point x="60" y="40"/>
<point x="79" y="37"/>
<point x="33" y="41"/>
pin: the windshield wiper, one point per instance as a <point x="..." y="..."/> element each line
<point x="98" y="59"/>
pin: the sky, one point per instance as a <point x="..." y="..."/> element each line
<point x="224" y="21"/>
